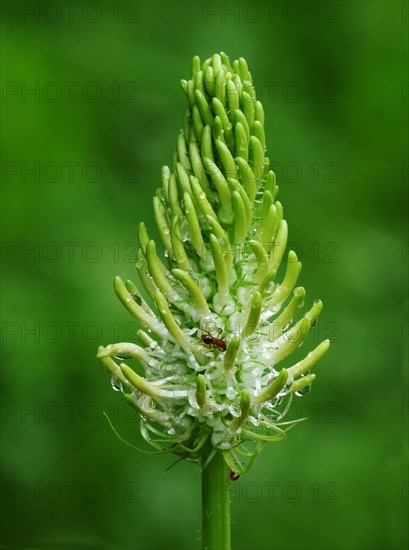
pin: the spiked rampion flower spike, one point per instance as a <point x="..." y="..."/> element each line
<point x="218" y="321"/>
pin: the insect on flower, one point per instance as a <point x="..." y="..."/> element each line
<point x="210" y="340"/>
<point x="219" y="221"/>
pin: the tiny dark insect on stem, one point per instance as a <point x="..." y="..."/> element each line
<point x="210" y="340"/>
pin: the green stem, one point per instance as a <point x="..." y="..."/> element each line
<point x="215" y="501"/>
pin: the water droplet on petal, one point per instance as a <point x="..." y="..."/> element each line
<point x="116" y="384"/>
<point x="137" y="298"/>
<point x="303" y="391"/>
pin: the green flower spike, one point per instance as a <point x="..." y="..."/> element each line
<point x="205" y="375"/>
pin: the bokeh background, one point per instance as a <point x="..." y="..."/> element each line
<point x="91" y="110"/>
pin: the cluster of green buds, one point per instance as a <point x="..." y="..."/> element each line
<point x="217" y="320"/>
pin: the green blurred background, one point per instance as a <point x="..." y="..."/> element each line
<point x="91" y="110"/>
